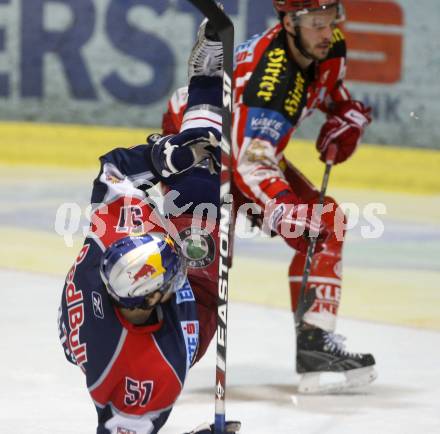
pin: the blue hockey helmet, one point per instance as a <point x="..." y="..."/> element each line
<point x="134" y="267"/>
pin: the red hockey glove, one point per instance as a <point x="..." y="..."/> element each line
<point x="296" y="223"/>
<point x="344" y="127"/>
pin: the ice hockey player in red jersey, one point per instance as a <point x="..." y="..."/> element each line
<point x="281" y="77"/>
<point x="138" y="305"/>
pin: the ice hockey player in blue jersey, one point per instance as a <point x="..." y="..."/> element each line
<point x="137" y="308"/>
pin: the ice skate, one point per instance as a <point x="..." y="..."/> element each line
<point x="326" y="367"/>
<point x="207" y="54"/>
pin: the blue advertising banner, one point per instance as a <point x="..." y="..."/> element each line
<point x="116" y="62"/>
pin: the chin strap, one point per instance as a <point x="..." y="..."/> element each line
<point x="298" y="43"/>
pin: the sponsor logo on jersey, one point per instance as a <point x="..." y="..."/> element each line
<point x="184" y="294"/>
<point x="266" y="125"/>
<point x="337" y="36"/>
<point x="294" y="96"/>
<point x="190" y="331"/>
<point x="256" y="152"/>
<point x="98" y="308"/>
<point x="198" y="246"/>
<point x="245" y="51"/>
<point x="74" y="348"/>
<point x="276" y="65"/>
<point x="277" y="84"/>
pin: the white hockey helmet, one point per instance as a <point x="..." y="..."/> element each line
<point x="136" y="266"/>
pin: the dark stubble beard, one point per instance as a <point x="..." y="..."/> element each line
<point x="303" y="49"/>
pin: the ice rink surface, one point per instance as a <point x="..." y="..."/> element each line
<point x="42" y="393"/>
<point x="391" y="295"/>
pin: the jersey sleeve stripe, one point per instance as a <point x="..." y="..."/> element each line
<point x="196" y="118"/>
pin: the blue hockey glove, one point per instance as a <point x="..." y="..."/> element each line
<point x="232" y="427"/>
<point x="176" y="154"/>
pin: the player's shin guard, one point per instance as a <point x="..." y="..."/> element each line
<point x="322" y="361"/>
<point x="325" y="274"/>
<point x="325" y="277"/>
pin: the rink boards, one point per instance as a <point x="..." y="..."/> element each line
<point x="375" y="167"/>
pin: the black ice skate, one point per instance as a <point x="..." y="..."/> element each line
<point x="325" y="366"/>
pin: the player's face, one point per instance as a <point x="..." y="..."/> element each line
<point x="316" y="32"/>
<point x="140" y="315"/>
<point x="156" y="298"/>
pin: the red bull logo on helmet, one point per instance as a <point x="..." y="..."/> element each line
<point x="146" y="270"/>
<point x="149" y="270"/>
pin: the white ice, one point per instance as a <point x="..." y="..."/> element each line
<point x="42" y="394"/>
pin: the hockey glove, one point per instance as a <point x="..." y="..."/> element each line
<point x="173" y="155"/>
<point x="296" y="223"/>
<point x="232" y="427"/>
<point x="344" y="127"/>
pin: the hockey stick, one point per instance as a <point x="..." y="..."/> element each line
<point x="306" y="298"/>
<point x="225" y="29"/>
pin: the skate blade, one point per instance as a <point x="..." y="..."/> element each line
<point x="334" y="382"/>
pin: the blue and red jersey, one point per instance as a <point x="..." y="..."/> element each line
<point x="131" y="371"/>
<point x="134" y="374"/>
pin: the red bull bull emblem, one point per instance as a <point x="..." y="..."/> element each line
<point x="147" y="270"/>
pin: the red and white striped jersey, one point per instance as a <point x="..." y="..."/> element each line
<point x="273" y="95"/>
